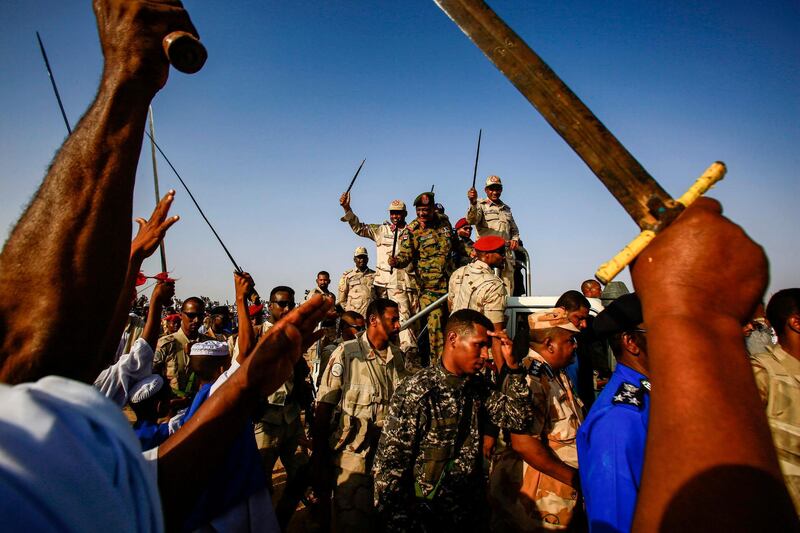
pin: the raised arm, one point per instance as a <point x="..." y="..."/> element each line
<point x="63" y="266"/>
<point x="710" y="464"/>
<point x="161" y="297"/>
<point x="246" y="338"/>
<point x="151" y="233"/>
<point x="370" y="231"/>
<point x="189" y="457"/>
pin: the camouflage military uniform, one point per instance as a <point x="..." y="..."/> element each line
<point x="171" y="354"/>
<point x="463" y="256"/>
<point x="355" y="290"/>
<point x="428" y="473"/>
<point x="522" y="498"/>
<point x="476" y="287"/>
<point x="398" y="284"/>
<point x="359" y="380"/>
<point x="496" y="219"/>
<point x="427" y="249"/>
<point x="777" y="376"/>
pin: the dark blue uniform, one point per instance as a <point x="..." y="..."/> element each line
<point x="611" y="450"/>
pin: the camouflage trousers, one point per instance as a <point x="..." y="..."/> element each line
<point x="524" y="499"/>
<point x="353" y="507"/>
<point x="436" y="320"/>
<point x="408" y="305"/>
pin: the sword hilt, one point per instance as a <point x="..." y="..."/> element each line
<point x="184" y="51"/>
<point x="609" y="270"/>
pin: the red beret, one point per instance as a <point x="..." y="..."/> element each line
<point x="461" y="223"/>
<point x="490" y="243"/>
<point x="253" y="310"/>
<point x="173" y="317"/>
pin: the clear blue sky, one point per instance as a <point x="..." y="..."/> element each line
<point x="295" y="94"/>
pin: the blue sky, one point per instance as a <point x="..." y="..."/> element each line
<point x="295" y="94"/>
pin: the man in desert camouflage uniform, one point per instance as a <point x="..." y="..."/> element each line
<point x="360" y="379"/>
<point x="428" y="471"/>
<point x="355" y="286"/>
<point x="426" y="247"/>
<point x="398" y="284"/>
<point x="464" y="234"/>
<point x="522" y="496"/>
<point x="491" y="216"/>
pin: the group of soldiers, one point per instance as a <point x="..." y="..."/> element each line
<point x="420" y="262"/>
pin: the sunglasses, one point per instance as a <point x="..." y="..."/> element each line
<point x="357" y="328"/>
<point x="283" y="304"/>
<point x="192" y="316"/>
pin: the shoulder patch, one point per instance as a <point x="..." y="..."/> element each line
<point x="538" y="369"/>
<point x="629" y="394"/>
<point x="336" y="370"/>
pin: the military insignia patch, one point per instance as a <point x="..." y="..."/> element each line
<point x="629" y="394"/>
<point x="336" y="370"/>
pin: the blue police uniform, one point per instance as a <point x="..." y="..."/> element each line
<point x="611" y="450"/>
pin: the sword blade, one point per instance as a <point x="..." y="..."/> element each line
<point x="640" y="195"/>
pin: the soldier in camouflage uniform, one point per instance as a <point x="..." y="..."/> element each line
<point x="522" y="496"/>
<point x="398" y="284"/>
<point x="359" y="380"/>
<point x="171" y="354"/>
<point x="355" y="285"/>
<point x="426" y="247"/>
<point x="464" y="235"/>
<point x="475" y="286"/>
<point x="428" y="472"/>
<point x="491" y="216"/>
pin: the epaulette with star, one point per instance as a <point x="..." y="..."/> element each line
<point x="538" y="368"/>
<point x="629" y="394"/>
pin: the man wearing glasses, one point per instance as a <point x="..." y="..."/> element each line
<point x="491" y="216"/>
<point x="611" y="441"/>
<point x="171" y="350"/>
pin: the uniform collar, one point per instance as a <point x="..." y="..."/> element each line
<point x="371" y="352"/>
<point x="480" y="265"/>
<point x="498" y="203"/>
<point x="536" y="356"/>
<point x="784" y="357"/>
<point x="448" y="377"/>
<point x="629" y="374"/>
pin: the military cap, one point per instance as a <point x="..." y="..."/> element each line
<point x="440" y="208"/>
<point x="360" y="251"/>
<point x="397" y="205"/>
<point x="425" y="198"/>
<point x="489" y="243"/>
<point x="551" y="318"/>
<point x="612" y="291"/>
<point x="493" y="180"/>
<point x="173" y="317"/>
<point x="213" y="348"/>
<point x="461" y="223"/>
<point x="146" y="388"/>
<point x="253" y="310"/>
<point x="623" y="314"/>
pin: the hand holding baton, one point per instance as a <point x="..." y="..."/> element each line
<point x="394" y="247"/>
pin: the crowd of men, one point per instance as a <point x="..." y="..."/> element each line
<point x="686" y="429"/>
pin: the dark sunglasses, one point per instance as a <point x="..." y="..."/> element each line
<point x="284" y="304"/>
<point x="192" y="316"/>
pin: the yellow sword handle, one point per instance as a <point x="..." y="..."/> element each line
<point x="609" y="270"/>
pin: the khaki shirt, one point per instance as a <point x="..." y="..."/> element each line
<point x="317" y="290"/>
<point x="383" y="235"/>
<point x="362" y="383"/>
<point x="476" y="287"/>
<point x="171" y="353"/>
<point x="777" y="376"/>
<point x="493" y="219"/>
<point x="355" y="290"/>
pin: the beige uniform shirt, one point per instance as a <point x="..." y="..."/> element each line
<point x="355" y="290"/>
<point x="362" y="383"/>
<point x="383" y="235"/>
<point x="777" y="376"/>
<point x="476" y="287"/>
<point x="171" y="353"/>
<point x="493" y="219"/>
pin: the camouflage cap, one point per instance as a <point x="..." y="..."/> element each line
<point x="360" y="251"/>
<point x="490" y="243"/>
<point x="551" y="318"/>
<point x="493" y="180"/>
<point x="397" y="205"/>
<point x="425" y="198"/>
